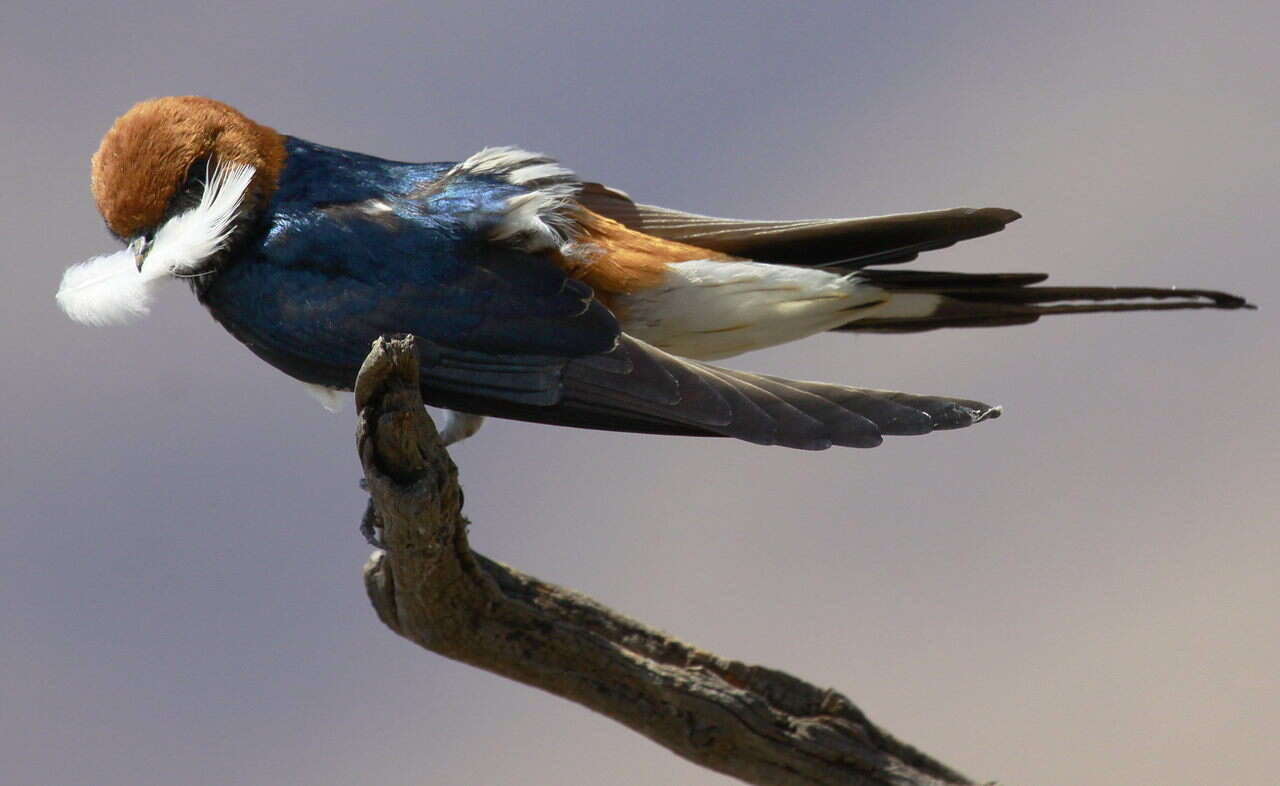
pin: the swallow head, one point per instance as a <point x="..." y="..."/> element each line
<point x="163" y="156"/>
<point x="178" y="180"/>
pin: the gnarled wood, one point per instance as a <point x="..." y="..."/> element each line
<point x="751" y="722"/>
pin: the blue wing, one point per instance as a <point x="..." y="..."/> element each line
<point x="406" y="250"/>
<point x="357" y="247"/>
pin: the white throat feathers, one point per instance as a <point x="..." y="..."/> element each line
<point x="117" y="288"/>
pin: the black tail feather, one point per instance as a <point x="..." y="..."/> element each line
<point x="998" y="299"/>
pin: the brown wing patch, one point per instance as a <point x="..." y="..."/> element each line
<point x="144" y="158"/>
<point x="616" y="260"/>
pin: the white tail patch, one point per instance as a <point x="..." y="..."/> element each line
<point x="111" y="290"/>
<point x="909" y="304"/>
<point x="708" y="309"/>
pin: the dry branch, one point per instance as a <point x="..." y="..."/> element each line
<point x="751" y="722"/>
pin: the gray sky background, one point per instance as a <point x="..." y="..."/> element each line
<point x="1082" y="592"/>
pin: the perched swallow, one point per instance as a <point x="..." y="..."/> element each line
<point x="534" y="295"/>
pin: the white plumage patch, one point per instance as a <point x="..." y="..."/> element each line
<point x="514" y="165"/>
<point x="458" y="426"/>
<point x="331" y="399"/>
<point x="537" y="220"/>
<point x="189" y="238"/>
<point x="106" y="290"/>
<point x="110" y="289"/>
<point x="909" y="304"/>
<point x="708" y="309"/>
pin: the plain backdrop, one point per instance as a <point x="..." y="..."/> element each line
<point x="1082" y="592"/>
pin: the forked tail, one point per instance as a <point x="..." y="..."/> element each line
<point x="924" y="300"/>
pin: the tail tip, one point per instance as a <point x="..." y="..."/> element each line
<point x="1215" y="299"/>
<point x="1002" y="215"/>
<point x="1227" y="300"/>
<point x="959" y="413"/>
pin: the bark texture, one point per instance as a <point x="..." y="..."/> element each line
<point x="754" y="723"/>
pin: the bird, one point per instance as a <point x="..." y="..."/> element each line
<point x="535" y="295"/>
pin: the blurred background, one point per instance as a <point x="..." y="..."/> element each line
<point x="1085" y="591"/>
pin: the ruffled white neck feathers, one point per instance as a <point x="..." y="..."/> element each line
<point x="113" y="289"/>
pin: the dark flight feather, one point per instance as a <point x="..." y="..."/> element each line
<point x="998" y="299"/>
<point x="968" y="300"/>
<point x="823" y="242"/>
<point x="506" y="333"/>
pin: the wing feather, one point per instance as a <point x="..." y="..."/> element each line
<point x="502" y="329"/>
<point x="842" y="242"/>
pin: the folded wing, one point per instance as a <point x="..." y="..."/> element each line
<point x="505" y="331"/>
<point x="834" y="242"/>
